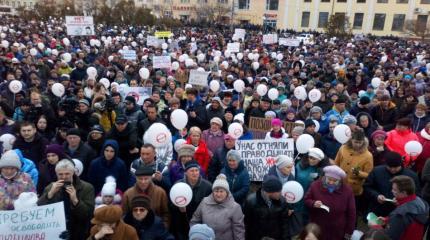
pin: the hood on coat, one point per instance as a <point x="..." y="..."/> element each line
<point x="24" y="161"/>
<point x="364" y="147"/>
<point x="368" y="116"/>
<point x="111" y="143"/>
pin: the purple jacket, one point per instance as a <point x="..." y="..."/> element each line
<point x="213" y="140"/>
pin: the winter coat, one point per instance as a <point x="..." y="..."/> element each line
<point x="425" y="178"/>
<point x="378" y="182"/>
<point x="356" y="109"/>
<point x="150" y="228"/>
<point x="226" y="218"/>
<point x="418" y="123"/>
<point x="100" y="168"/>
<point x="134" y="116"/>
<point x="34" y="150"/>
<point x="385" y="117"/>
<point x="213" y="140"/>
<point x="407" y="221"/>
<point x="127" y="141"/>
<point x="378" y="156"/>
<point x="274" y="172"/>
<point x="330" y="146"/>
<point x="217" y="163"/>
<point x="211" y="113"/>
<point x="238" y="181"/>
<point x="122" y="231"/>
<point x="396" y="141"/>
<point x="201" y="119"/>
<point x="264" y="221"/>
<point x="78" y="217"/>
<point x="176" y="172"/>
<point x="424" y="139"/>
<point x="347" y="159"/>
<point x="370" y="128"/>
<point x="202" y="155"/>
<point x="341" y="218"/>
<point x="269" y="135"/>
<point x="158" y="201"/>
<point x="11" y="188"/>
<point x="28" y="167"/>
<point x="83" y="153"/>
<point x="46" y="175"/>
<point x="6" y="126"/>
<point x="339" y="116"/>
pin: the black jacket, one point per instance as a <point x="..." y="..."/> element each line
<point x="127" y="141"/>
<point x="217" y="163"/>
<point x="201" y="119"/>
<point x="83" y="153"/>
<point x="34" y="150"/>
<point x="150" y="228"/>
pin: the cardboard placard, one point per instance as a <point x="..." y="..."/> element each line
<point x="163" y="34"/>
<point x="233" y="47"/>
<point x="198" y="78"/>
<point x="129" y="55"/>
<point x="161" y="62"/>
<point x="289" y="42"/>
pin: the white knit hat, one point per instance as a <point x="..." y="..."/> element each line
<point x="10" y="159"/>
<point x="316" y="153"/>
<point x="109" y="188"/>
<point x="25" y="200"/>
<point x="221" y="182"/>
<point x="283" y="161"/>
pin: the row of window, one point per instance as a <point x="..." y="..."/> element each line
<point x="15" y="3"/>
<point x="274" y="4"/>
<point x="378" y="1"/>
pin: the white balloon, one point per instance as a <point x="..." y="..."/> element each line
<point x="384" y="58"/>
<point x="227" y="53"/>
<point x="189" y="62"/>
<point x="7" y="141"/>
<point x="5" y="43"/>
<point x="304" y="143"/>
<point x="2" y="35"/>
<point x="98" y="43"/>
<point x="239" y="85"/>
<point x="33" y="52"/>
<point x="58" y="89"/>
<point x="250" y="80"/>
<point x="236" y="130"/>
<point x="175" y="66"/>
<point x="255" y="65"/>
<point x="214" y="85"/>
<point x="300" y="93"/>
<point x="250" y="56"/>
<point x="15" y="86"/>
<point x="179" y="143"/>
<point x="273" y="55"/>
<point x="134" y="44"/>
<point x="200" y="69"/>
<point x="314" y="95"/>
<point x="342" y="133"/>
<point x="105" y="82"/>
<point x="261" y="89"/>
<point x="125" y="48"/>
<point x="218" y="53"/>
<point x="164" y="46"/>
<point x="144" y="73"/>
<point x="240" y="56"/>
<point x="361" y="93"/>
<point x="201" y="57"/>
<point x="376" y="82"/>
<point x="292" y="191"/>
<point x="181" y="58"/>
<point x="216" y="59"/>
<point x="92" y="72"/>
<point x="181" y="194"/>
<point x="317" y="125"/>
<point x="279" y="57"/>
<point x="273" y="94"/>
<point x="158" y="135"/>
<point x="224" y="64"/>
<point x="66" y="41"/>
<point x="256" y="56"/>
<point x="110" y="58"/>
<point x="413" y="148"/>
<point x="92" y="42"/>
<point x="67" y="57"/>
<point x="179" y="119"/>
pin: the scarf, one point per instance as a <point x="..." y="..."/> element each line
<point x="274" y="134"/>
<point x="401" y="201"/>
<point x="330" y="188"/>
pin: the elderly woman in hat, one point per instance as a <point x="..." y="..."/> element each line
<point x="331" y="204"/>
<point x="214" y="136"/>
<point x="220" y="212"/>
<point x="237" y="176"/>
<point x="108" y="224"/>
<point x="12" y="181"/>
<point x="283" y="169"/>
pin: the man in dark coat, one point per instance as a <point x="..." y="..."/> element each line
<point x="377" y="187"/>
<point x="361" y="106"/>
<point x="151" y="117"/>
<point x="133" y="113"/>
<point x="385" y="113"/>
<point x="215" y="109"/>
<point x="261" y="110"/>
<point x="196" y="110"/>
<point x="31" y="144"/>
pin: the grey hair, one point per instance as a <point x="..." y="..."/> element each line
<point x="65" y="164"/>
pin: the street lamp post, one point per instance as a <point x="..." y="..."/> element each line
<point x="264" y="23"/>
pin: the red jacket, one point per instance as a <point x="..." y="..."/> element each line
<point x="424" y="139"/>
<point x="201" y="155"/>
<point x="396" y="142"/>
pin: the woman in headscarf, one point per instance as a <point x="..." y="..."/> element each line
<point x="283" y="169"/>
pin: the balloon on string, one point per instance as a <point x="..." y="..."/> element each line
<point x="273" y="55"/>
<point x="261" y="89"/>
<point x="98" y="43"/>
<point x="227" y="53"/>
<point x="279" y="57"/>
<point x="58" y="89"/>
<point x="105" y="82"/>
<point x="236" y="130"/>
<point x="7" y="141"/>
<point x="134" y="44"/>
<point x="240" y="56"/>
<point x="273" y="94"/>
<point x="216" y="59"/>
<point x="300" y="93"/>
<point x="66" y="41"/>
<point x="342" y="133"/>
<point x="413" y="148"/>
<point x="181" y="194"/>
<point x="33" y="52"/>
<point x="67" y="57"/>
<point x="92" y="42"/>
<point x="384" y="58"/>
<point x="164" y="46"/>
<point x="179" y="143"/>
<point x="224" y="64"/>
<point x="201" y="57"/>
<point x="361" y="93"/>
<point x="256" y="56"/>
<point x="175" y="65"/>
<point x="92" y="72"/>
<point x="376" y="82"/>
<point x="239" y="85"/>
<point x="200" y="69"/>
<point x="182" y="58"/>
<point x="304" y="143"/>
<point x="179" y="119"/>
<point x="144" y="73"/>
<point x="250" y="56"/>
<point x="317" y="125"/>
<point x="214" y="85"/>
<point x="15" y="86"/>
<point x="292" y="191"/>
<point x="189" y="62"/>
<point x="314" y="95"/>
<point x="158" y="135"/>
<point x="255" y="65"/>
<point x="218" y="53"/>
<point x="5" y="43"/>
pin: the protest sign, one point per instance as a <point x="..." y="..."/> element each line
<point x="233" y="47"/>
<point x="163" y="34"/>
<point x="152" y="41"/>
<point x="240" y="33"/>
<point x="270" y="38"/>
<point x="260" y="126"/>
<point x="80" y="25"/>
<point x="139" y="93"/>
<point x="43" y="222"/>
<point x="161" y="62"/>
<point x="259" y="155"/>
<point x="289" y="42"/>
<point x="129" y="54"/>
<point x="198" y="78"/>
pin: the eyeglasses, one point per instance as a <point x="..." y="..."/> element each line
<point x="139" y="209"/>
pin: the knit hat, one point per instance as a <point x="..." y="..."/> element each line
<point x="270" y="114"/>
<point x="233" y="154"/>
<point x="276" y="122"/>
<point x="84" y="101"/>
<point x="10" y="159"/>
<point x="364" y="100"/>
<point x="228" y="136"/>
<point x="97" y="129"/>
<point x="341" y="99"/>
<point x="109" y="188"/>
<point x="74" y="131"/>
<point x="191" y="164"/>
<point x="121" y="119"/>
<point x="393" y="159"/>
<point x="25" y="200"/>
<point x="315" y="109"/>
<point x="316" y="153"/>
<point x="283" y="161"/>
<point x="309" y="122"/>
<point x="186" y="150"/>
<point x="378" y="133"/>
<point x="107" y="214"/>
<point x="221" y="182"/>
<point x="271" y="184"/>
<point x="216" y="120"/>
<point x="297" y="130"/>
<point x="144" y="171"/>
<point x="240" y="117"/>
<point x="130" y="99"/>
<point x="349" y="119"/>
<point x="56" y="149"/>
<point x="201" y="232"/>
<point x="141" y="201"/>
<point x="334" y="172"/>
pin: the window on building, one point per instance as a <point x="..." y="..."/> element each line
<point x="361" y="1"/>
<point x="185" y="1"/>
<point x="223" y="1"/>
<point x="322" y="19"/>
<point x="325" y="0"/>
<point x="269" y="24"/>
<point x="341" y="0"/>
<point x="425" y="1"/>
<point x="272" y="4"/>
<point x="307" y="0"/>
<point x="305" y="19"/>
<point x="358" y="21"/>
<point x="167" y="1"/>
<point x="379" y="21"/>
<point x="402" y="1"/>
<point x="243" y="4"/>
<point x="382" y="1"/>
<point x="422" y="22"/>
<point x="398" y="22"/>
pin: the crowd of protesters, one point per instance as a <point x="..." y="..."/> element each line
<point x="86" y="147"/>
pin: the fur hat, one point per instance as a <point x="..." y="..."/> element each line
<point x="201" y="232"/>
<point x="10" y="159"/>
<point x="221" y="182"/>
<point x="141" y="201"/>
<point x="186" y="150"/>
<point x="25" y="200"/>
<point x="107" y="214"/>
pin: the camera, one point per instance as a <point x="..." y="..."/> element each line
<point x="66" y="184"/>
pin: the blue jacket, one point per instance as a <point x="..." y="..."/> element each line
<point x="238" y="181"/>
<point x="28" y="166"/>
<point x="246" y="136"/>
<point x="338" y="115"/>
<point x="100" y="168"/>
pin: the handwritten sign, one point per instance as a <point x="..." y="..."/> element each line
<point x="80" y="25"/>
<point x="161" y="62"/>
<point x="260" y="126"/>
<point x="240" y="33"/>
<point x="129" y="54"/>
<point x="260" y="155"/>
<point x="139" y="93"/>
<point x="233" y="47"/>
<point x="163" y="34"/>
<point x="270" y="38"/>
<point x="43" y="222"/>
<point x="152" y="41"/>
<point x="198" y="78"/>
<point x="290" y="42"/>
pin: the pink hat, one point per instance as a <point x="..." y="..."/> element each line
<point x="276" y="122"/>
